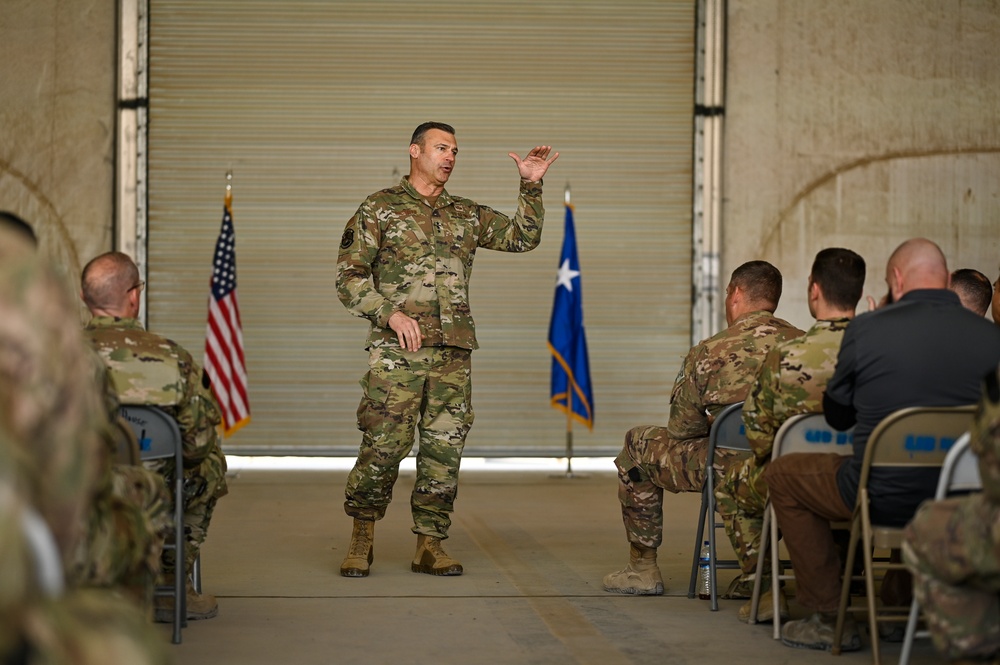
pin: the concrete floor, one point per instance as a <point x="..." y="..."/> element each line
<point x="535" y="548"/>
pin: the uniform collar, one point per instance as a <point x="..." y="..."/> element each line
<point x="443" y="200"/>
<point x="115" y="322"/>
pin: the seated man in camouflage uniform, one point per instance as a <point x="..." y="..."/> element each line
<point x="149" y="369"/>
<point x="715" y="373"/>
<point x="951" y="548"/>
<point x="791" y="381"/>
<point x="128" y="512"/>
<point x="50" y="463"/>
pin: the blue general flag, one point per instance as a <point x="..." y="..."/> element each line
<point x="567" y="339"/>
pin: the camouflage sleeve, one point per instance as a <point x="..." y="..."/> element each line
<point x="359" y="247"/>
<point x="521" y="234"/>
<point x="197" y="414"/>
<point x="759" y="414"/>
<point x="688" y="419"/>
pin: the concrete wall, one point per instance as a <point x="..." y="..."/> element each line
<point x="57" y="122"/>
<point x="860" y="124"/>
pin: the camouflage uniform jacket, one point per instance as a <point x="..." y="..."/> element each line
<point x="401" y="253"/>
<point x="149" y="369"/>
<point x="791" y="381"/>
<point x="719" y="371"/>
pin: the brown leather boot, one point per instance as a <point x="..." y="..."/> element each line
<point x="360" y="553"/>
<point x="431" y="558"/>
<point x="641" y="577"/>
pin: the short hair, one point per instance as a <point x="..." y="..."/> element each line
<point x="840" y="274"/>
<point x="761" y="282"/>
<point x="974" y="288"/>
<point x="423" y="128"/>
<point x="106" y="279"/>
<point x="10" y="219"/>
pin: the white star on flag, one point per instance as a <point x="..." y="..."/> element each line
<point x="566" y="275"/>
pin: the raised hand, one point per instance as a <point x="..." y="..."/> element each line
<point x="535" y="163"/>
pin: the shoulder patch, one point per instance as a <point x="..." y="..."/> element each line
<point x="348" y="239"/>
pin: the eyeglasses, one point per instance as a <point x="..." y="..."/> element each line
<point x="141" y="285"/>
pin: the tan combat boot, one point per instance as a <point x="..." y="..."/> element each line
<point x="199" y="606"/>
<point x="765" y="607"/>
<point x="641" y="577"/>
<point x="432" y="559"/>
<point x="360" y="553"/>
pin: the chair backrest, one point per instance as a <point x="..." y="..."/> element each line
<point x="916" y="436"/>
<point x="960" y="471"/>
<point x="727" y="429"/>
<point x="158" y="434"/>
<point x="810" y="433"/>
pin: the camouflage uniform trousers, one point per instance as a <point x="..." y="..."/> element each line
<point x="204" y="485"/>
<point x="126" y="534"/>
<point x="429" y="390"/>
<point x="952" y="549"/>
<point x="651" y="462"/>
<point x="741" y="497"/>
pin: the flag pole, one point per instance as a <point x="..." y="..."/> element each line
<point x="569" y="405"/>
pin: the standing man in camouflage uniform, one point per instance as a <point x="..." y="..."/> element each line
<point x="951" y="548"/>
<point x="149" y="369"/>
<point x="715" y="373"/>
<point x="791" y="381"/>
<point x="405" y="261"/>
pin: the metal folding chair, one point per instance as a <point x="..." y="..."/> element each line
<point x="160" y="438"/>
<point x="804" y="433"/>
<point x="913" y="437"/>
<point x="959" y="473"/>
<point x="726" y="432"/>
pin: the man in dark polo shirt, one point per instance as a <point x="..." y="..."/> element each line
<point x="925" y="349"/>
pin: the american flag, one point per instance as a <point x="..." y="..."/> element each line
<point x="224" y="361"/>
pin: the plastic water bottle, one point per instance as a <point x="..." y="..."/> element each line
<point x="704" y="579"/>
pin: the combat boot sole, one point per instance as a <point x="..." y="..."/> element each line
<point x="853" y="645"/>
<point x="429" y="569"/>
<point x="166" y="615"/>
<point x="636" y="591"/>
